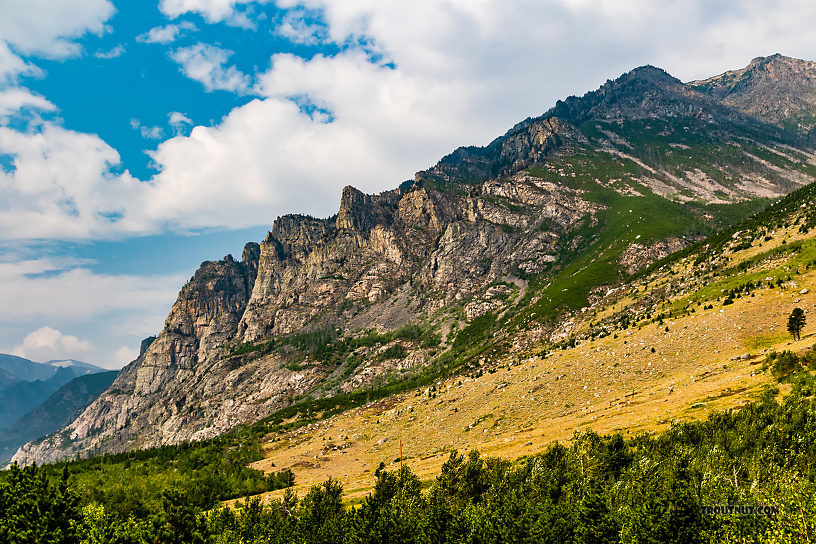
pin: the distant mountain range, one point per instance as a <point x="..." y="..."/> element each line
<point x="25" y="385"/>
<point x="15" y="369"/>
<point x="56" y="411"/>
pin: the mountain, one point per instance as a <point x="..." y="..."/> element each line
<point x="19" y="398"/>
<point x="703" y="331"/>
<point x="24" y="384"/>
<point x="492" y="250"/>
<point x="78" y="367"/>
<point x="17" y="369"/>
<point x="777" y="89"/>
<point x="62" y="407"/>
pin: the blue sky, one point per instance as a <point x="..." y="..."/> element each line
<point x="126" y="85"/>
<point x="138" y="139"/>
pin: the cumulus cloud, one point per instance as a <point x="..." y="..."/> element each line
<point x="48" y="193"/>
<point x="213" y="11"/>
<point x="177" y="119"/>
<point x="15" y="99"/>
<point x="152" y="133"/>
<point x="165" y="34"/>
<point x="25" y="29"/>
<point x="46" y="344"/>
<point x="112" y="310"/>
<point x="12" y="66"/>
<point x="179" y="122"/>
<point x="207" y="64"/>
<point x="425" y="77"/>
<point x="117" y="51"/>
<point x="298" y="27"/>
<point x="147" y="132"/>
<point x="49" y="28"/>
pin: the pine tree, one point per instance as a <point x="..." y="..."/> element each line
<point x="796" y="322"/>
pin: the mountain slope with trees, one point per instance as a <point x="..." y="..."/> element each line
<point x="492" y="250"/>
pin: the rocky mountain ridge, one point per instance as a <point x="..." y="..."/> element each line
<point x="509" y="238"/>
<point x="777" y="89"/>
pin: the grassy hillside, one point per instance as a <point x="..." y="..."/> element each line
<point x="666" y="347"/>
<point x="663" y="348"/>
<point x="679" y="390"/>
<point x="739" y="476"/>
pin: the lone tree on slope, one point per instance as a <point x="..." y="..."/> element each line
<point x="796" y="322"/>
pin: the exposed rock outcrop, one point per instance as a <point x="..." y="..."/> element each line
<point x="778" y="89"/>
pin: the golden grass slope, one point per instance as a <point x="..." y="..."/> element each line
<point x="641" y="379"/>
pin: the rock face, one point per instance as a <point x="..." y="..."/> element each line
<point x="637" y="256"/>
<point x="526" y="144"/>
<point x="645" y="93"/>
<point x="205" y="315"/>
<point x="465" y="238"/>
<point x="778" y="89"/>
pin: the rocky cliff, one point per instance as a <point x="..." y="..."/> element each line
<point x="488" y="250"/>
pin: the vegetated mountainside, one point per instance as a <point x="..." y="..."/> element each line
<point x="24" y="384"/>
<point x="492" y="250"/>
<point x="666" y="349"/>
<point x="58" y="410"/>
<point x="19" y="398"/>
<point x="703" y="330"/>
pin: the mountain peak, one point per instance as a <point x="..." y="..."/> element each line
<point x="644" y="92"/>
<point x="777" y="59"/>
<point x="79" y="366"/>
<point x="649" y="73"/>
<point x="777" y="89"/>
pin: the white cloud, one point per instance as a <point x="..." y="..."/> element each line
<point x="112" y="310"/>
<point x="46" y="344"/>
<point x="117" y="51"/>
<point x="48" y="28"/>
<point x="295" y="27"/>
<point x="49" y="193"/>
<point x="152" y="133"/>
<point x="179" y="122"/>
<point x="12" y="66"/>
<point x="178" y="119"/>
<point x="148" y="133"/>
<point x="124" y="355"/>
<point x="462" y="73"/>
<point x="206" y="64"/>
<point x="384" y="127"/>
<point x="213" y="11"/>
<point x="165" y="34"/>
<point x="45" y="28"/>
<point x="16" y="99"/>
